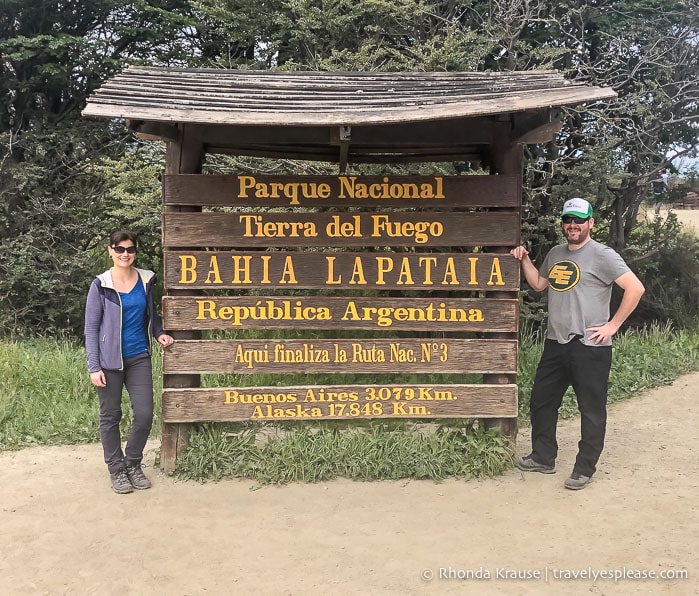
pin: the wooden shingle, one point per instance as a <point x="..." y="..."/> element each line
<point x="360" y="117"/>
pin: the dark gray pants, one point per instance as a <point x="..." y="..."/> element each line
<point x="137" y="377"/>
<point x="586" y="369"/>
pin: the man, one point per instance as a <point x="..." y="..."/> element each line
<point x="659" y="189"/>
<point x="579" y="276"/>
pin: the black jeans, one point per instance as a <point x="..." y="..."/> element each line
<point x="137" y="377"/>
<point x="586" y="369"/>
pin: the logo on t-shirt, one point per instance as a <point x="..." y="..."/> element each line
<point x="564" y="275"/>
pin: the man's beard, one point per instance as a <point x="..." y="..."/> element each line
<point x="582" y="237"/>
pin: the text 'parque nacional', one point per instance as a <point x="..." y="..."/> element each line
<point x="344" y="187"/>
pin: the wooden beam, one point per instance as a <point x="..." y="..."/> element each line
<point x="318" y="356"/>
<point x="228" y="404"/>
<point x="303" y="230"/>
<point x="441" y="133"/>
<point x="183" y="156"/>
<point x="155" y="131"/>
<point x="466" y="154"/>
<point x="506" y="158"/>
<point x="345" y="139"/>
<point x="538" y="127"/>
<point x="236" y="190"/>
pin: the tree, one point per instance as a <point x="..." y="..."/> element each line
<point x="365" y="35"/>
<point x="53" y="54"/>
<point x="647" y="51"/>
<point x="60" y="174"/>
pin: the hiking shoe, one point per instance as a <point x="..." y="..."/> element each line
<point x="121" y="483"/>
<point x="137" y="477"/>
<point x="529" y="464"/>
<point x="577" y="481"/>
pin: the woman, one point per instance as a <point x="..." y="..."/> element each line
<point x="120" y="319"/>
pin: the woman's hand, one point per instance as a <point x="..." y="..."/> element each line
<point x="98" y="379"/>
<point x="165" y="340"/>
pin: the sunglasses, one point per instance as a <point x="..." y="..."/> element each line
<point x="566" y="219"/>
<point x="120" y="250"/>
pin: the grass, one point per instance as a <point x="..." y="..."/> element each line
<point x="379" y="451"/>
<point x="642" y="359"/>
<point x="46" y="399"/>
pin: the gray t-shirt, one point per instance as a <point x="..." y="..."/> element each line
<point x="580" y="288"/>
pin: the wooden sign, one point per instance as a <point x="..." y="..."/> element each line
<point x="302" y="356"/>
<point x="414" y="229"/>
<point x="289" y="233"/>
<point x="351" y="402"/>
<point x="319" y="312"/>
<point x="384" y="270"/>
<point x="257" y="190"/>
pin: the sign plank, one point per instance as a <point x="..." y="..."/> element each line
<point x="320" y="312"/>
<point x="238" y="230"/>
<point x="352" y="402"/>
<point x="212" y="270"/>
<point x="301" y="356"/>
<point x="256" y="190"/>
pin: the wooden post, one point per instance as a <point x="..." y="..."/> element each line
<point x="506" y="158"/>
<point x="184" y="156"/>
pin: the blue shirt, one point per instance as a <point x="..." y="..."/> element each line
<point x="133" y="321"/>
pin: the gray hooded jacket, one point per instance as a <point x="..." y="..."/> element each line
<point x="103" y="321"/>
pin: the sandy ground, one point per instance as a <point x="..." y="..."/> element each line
<point x="688" y="217"/>
<point x="63" y="531"/>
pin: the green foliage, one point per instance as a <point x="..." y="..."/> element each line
<point x="381" y="451"/>
<point x="49" y="217"/>
<point x="46" y="397"/>
<point x="62" y="200"/>
<point x="56" y="210"/>
<point x="132" y="199"/>
<point x="408" y="35"/>
<point x="43" y="400"/>
<point x="56" y="53"/>
<point x="666" y="258"/>
<point x="531" y="346"/>
<point x="643" y="359"/>
<point x="647" y="52"/>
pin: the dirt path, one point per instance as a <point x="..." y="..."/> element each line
<point x="62" y="530"/>
<point x="688" y="217"/>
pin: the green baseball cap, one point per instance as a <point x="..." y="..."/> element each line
<point x="577" y="206"/>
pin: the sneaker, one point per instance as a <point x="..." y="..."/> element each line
<point x="121" y="483"/>
<point x="577" y="481"/>
<point x="137" y="477"/>
<point x="529" y="464"/>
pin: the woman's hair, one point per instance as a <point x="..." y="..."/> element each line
<point x="120" y="236"/>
